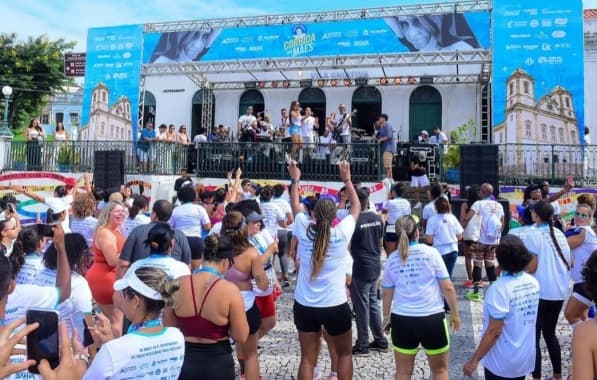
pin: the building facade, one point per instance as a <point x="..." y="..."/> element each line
<point x="64" y="107"/>
<point x="108" y="122"/>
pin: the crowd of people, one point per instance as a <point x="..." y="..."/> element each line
<point x="194" y="285"/>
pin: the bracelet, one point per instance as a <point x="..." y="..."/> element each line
<point x="294" y="181"/>
<point x="82" y="356"/>
<point x="346" y="180"/>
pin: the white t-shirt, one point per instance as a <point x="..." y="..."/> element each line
<point x="473" y="229"/>
<point x="73" y="309"/>
<point x="33" y="264"/>
<point x="327" y="288"/>
<point x="396" y="208"/>
<point x="515" y="300"/>
<point x="345" y="125"/>
<point x="246" y="121"/>
<point x="285" y="207"/>
<point x="130" y="224"/>
<point x="429" y="210"/>
<point x="85" y="227"/>
<point x="30" y="296"/>
<point x="417" y="291"/>
<point x="189" y="218"/>
<point x="582" y="253"/>
<point x="216" y="229"/>
<point x="486" y="208"/>
<point x="199" y="139"/>
<point x="307" y="126"/>
<point x="325" y="143"/>
<point x="272" y="215"/>
<point x="444" y="228"/>
<point x="522" y="232"/>
<point x="552" y="274"/>
<point x="140" y="355"/>
<point x="173" y="268"/>
<point x="262" y="241"/>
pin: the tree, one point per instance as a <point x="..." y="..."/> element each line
<point x="35" y="70"/>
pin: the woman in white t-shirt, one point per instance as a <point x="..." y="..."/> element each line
<point x="415" y="282"/>
<point x="582" y="241"/>
<point x="136" y="215"/>
<point x="507" y="347"/>
<point x="274" y="217"/>
<point x="83" y="221"/>
<point x="320" y="295"/>
<point x="471" y="232"/>
<point x="395" y="207"/>
<point x="444" y="231"/>
<point x="27" y="254"/>
<point x="551" y="267"/>
<point x="73" y="309"/>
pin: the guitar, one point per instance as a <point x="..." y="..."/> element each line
<point x="338" y="128"/>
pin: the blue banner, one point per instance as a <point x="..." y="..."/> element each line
<point x="538" y="72"/>
<point x="454" y="31"/>
<point x="112" y="74"/>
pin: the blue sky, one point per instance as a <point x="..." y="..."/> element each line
<point x="72" y="18"/>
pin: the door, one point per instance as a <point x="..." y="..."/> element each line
<point x="425" y="111"/>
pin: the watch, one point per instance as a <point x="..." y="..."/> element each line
<point x="294" y="181"/>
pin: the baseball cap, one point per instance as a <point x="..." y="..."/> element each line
<point x="70" y="182"/>
<point x="424" y="132"/>
<point x="254" y="217"/>
<point x="130" y="280"/>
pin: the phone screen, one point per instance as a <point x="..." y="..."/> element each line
<point x="42" y="343"/>
<point x="45" y="230"/>
<point x="88" y="320"/>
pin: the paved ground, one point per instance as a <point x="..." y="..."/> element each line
<point x="279" y="354"/>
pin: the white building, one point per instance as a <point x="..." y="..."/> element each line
<point x="108" y="122"/>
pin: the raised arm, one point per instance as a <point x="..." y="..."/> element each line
<point x="23" y="190"/>
<point x="355" y="209"/>
<point x="63" y="272"/>
<point x="295" y="176"/>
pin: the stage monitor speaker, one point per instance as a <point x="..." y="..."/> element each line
<point x="478" y="164"/>
<point x="108" y="168"/>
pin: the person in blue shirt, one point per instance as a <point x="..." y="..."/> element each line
<point x="385" y="136"/>
<point x="143" y="146"/>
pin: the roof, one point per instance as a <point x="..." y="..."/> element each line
<point x="590" y="14"/>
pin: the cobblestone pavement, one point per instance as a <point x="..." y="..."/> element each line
<point x="279" y="354"/>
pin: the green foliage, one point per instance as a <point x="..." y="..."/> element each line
<point x="34" y="69"/>
<point x="65" y="155"/>
<point x="464" y="134"/>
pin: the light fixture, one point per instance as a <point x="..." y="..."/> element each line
<point x="412" y="80"/>
<point x="250" y="84"/>
<point x="4" y="129"/>
<point x="347" y="82"/>
<point x="321" y="83"/>
<point x="397" y="81"/>
<point x="334" y="82"/>
<point x="361" y="81"/>
<point x="261" y="84"/>
<point x="275" y="84"/>
<point x="286" y="84"/>
<point x="383" y="81"/>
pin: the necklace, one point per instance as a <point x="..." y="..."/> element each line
<point x="147" y="325"/>
<point x="211" y="270"/>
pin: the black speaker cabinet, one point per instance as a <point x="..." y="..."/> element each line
<point x="108" y="168"/>
<point x="479" y="164"/>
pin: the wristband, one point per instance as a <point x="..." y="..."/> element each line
<point x="294" y="181"/>
<point x="346" y="180"/>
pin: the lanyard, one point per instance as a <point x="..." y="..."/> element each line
<point x="147" y="324"/>
<point x="209" y="270"/>
<point x="257" y="242"/>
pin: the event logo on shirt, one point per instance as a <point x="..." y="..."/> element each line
<point x="301" y="42"/>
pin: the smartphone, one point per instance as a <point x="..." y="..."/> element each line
<point x="88" y="320"/>
<point x="42" y="343"/>
<point x="11" y="208"/>
<point x="45" y="230"/>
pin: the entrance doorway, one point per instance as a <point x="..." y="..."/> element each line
<point x="250" y="98"/>
<point x="366" y="100"/>
<point x="197" y="111"/>
<point x="425" y="111"/>
<point x="149" y="109"/>
<point x="314" y="98"/>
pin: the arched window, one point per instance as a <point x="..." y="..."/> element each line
<point x="251" y="98"/>
<point x="314" y="98"/>
<point x="197" y="117"/>
<point x="149" y="107"/>
<point x="366" y="101"/>
<point x="425" y="110"/>
<point x="528" y="129"/>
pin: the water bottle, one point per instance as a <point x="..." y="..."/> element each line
<point x="591" y="312"/>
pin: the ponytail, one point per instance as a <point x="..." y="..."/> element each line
<point x="325" y="212"/>
<point x="406" y="228"/>
<point x="555" y="242"/>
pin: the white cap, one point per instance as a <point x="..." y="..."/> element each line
<point x="57" y="205"/>
<point x="130" y="280"/>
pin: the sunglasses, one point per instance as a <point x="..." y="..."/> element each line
<point x="581" y="215"/>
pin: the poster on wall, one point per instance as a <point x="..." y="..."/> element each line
<point x="449" y="32"/>
<point x="538" y="94"/>
<point x="112" y="74"/>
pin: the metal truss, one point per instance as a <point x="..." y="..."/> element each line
<point x="480" y="56"/>
<point x="206" y="109"/>
<point x="339" y="15"/>
<point x="141" y="103"/>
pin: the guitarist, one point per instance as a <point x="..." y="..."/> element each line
<point x="343" y="123"/>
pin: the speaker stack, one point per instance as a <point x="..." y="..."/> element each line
<point x="108" y="168"/>
<point x="478" y="164"/>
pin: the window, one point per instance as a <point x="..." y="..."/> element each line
<point x="45" y="118"/>
<point x="528" y="129"/>
<point x="112" y="131"/>
<point x="103" y="96"/>
<point x="561" y="136"/>
<point x="525" y="86"/>
<point x="543" y="132"/>
<point x="94" y="97"/>
<point x="102" y="129"/>
<point x="573" y="137"/>
<point x="74" y="118"/>
<point x="567" y="102"/>
<point x="59" y="117"/>
<point x="552" y="133"/>
<point x="511" y="89"/>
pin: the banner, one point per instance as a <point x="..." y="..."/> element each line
<point x="454" y="31"/>
<point x="538" y="72"/>
<point x="112" y="74"/>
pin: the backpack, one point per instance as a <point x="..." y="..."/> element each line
<point x="492" y="226"/>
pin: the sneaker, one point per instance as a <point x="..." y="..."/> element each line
<point x="356" y="351"/>
<point x="468" y="284"/>
<point x="475" y="297"/>
<point x="317" y="373"/>
<point x="333" y="376"/>
<point x="377" y="346"/>
<point x="418" y="205"/>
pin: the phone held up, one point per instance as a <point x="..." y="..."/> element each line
<point x="42" y="343"/>
<point x="45" y="230"/>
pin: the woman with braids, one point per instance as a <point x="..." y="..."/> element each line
<point x="211" y="312"/>
<point x="247" y="265"/>
<point x="550" y="265"/>
<point x="582" y="241"/>
<point x="27" y="254"/>
<point x="415" y="282"/>
<point x="320" y="298"/>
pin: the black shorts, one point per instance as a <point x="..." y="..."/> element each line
<point x="579" y="292"/>
<point x="253" y="319"/>
<point x="197" y="247"/>
<point x="491" y="376"/>
<point x="390" y="236"/>
<point x="336" y="320"/>
<point x="430" y="331"/>
<point x="213" y="361"/>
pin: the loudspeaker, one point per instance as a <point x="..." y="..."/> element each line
<point x="108" y="168"/>
<point x="479" y="164"/>
<point x="401" y="163"/>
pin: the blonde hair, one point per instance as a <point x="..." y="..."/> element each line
<point x="102" y="219"/>
<point x="324" y="213"/>
<point x="157" y="280"/>
<point x="406" y="229"/>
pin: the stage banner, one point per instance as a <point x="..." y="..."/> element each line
<point x="111" y="91"/>
<point x="538" y="72"/>
<point x="454" y="31"/>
